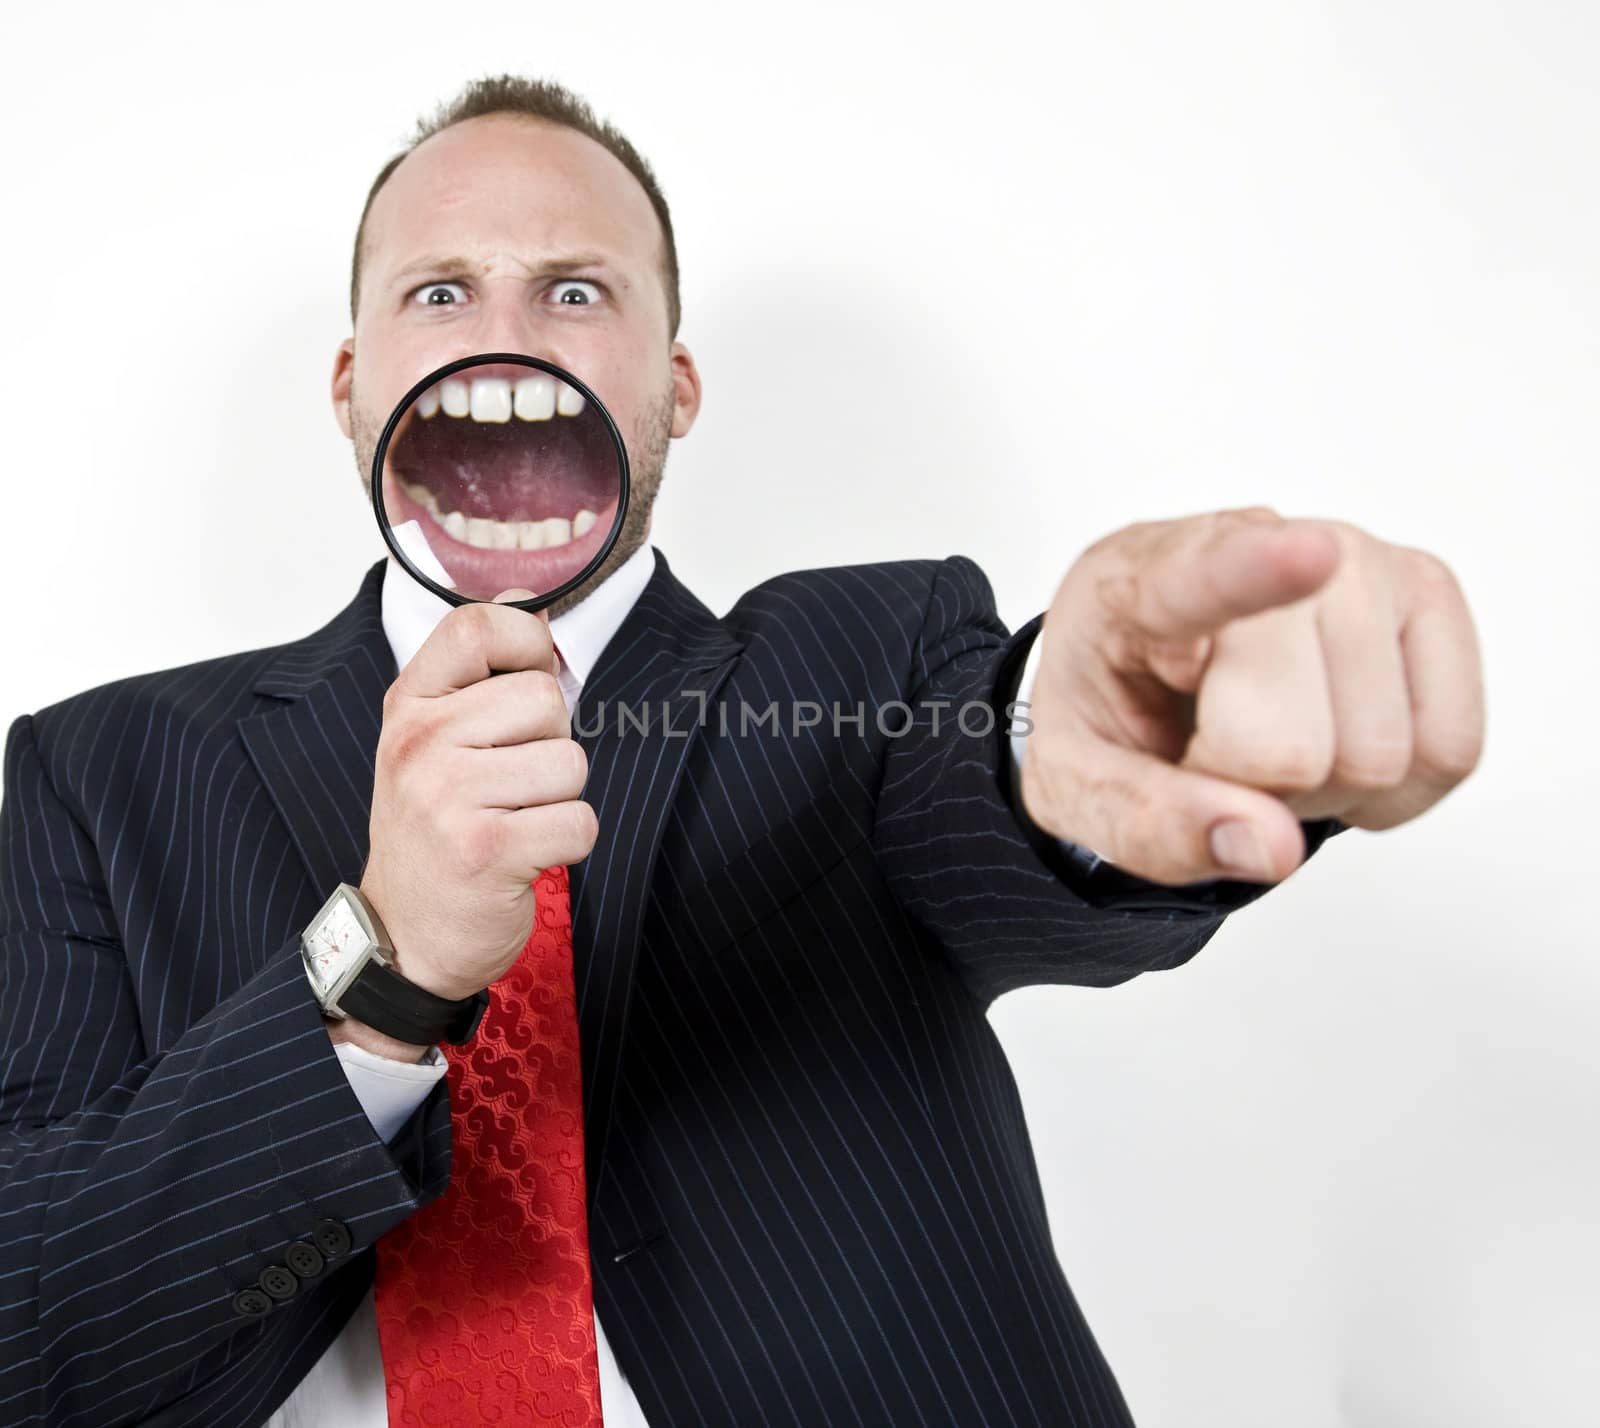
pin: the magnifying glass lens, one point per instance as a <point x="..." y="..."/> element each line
<point x="515" y="475"/>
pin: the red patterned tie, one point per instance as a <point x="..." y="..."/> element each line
<point x="484" y="1295"/>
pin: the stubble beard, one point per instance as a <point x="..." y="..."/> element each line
<point x="647" y="462"/>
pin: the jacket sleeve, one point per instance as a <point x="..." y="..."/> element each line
<point x="1009" y="904"/>
<point x="143" y="1195"/>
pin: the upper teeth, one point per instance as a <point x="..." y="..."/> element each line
<point x="486" y="399"/>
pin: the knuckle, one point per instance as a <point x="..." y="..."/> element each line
<point x="1451" y="756"/>
<point x="545" y="692"/>
<point x="407" y="739"/>
<point x="481" y="843"/>
<point x="582" y="825"/>
<point x="535" y="692"/>
<point x="1373" y="764"/>
<point x="1298" y="768"/>
<point x="1111" y="539"/>
<point x="579" y="762"/>
<point x="1116" y="547"/>
<point x="470" y="626"/>
<point x="1430" y="574"/>
<point x="560" y="766"/>
<point x="1116" y="595"/>
<point x="1253" y="515"/>
<point x="1353" y="542"/>
<point x="1342" y="530"/>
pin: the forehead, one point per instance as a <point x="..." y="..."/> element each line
<point x="506" y="184"/>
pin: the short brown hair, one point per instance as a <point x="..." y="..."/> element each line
<point x="537" y="99"/>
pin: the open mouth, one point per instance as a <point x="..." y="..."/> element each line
<point x="511" y="474"/>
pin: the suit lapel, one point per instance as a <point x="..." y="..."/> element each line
<point x="637" y="719"/>
<point x="315" y="750"/>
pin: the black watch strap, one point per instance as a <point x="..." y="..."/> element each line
<point x="387" y="1002"/>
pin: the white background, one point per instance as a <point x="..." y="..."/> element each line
<point x="996" y="279"/>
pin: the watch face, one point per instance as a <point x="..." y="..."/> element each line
<point x="334" y="945"/>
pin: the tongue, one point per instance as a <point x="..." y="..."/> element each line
<point x="515" y="471"/>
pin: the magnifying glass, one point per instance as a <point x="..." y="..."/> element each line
<point x="513" y="471"/>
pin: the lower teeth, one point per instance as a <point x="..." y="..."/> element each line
<point x="485" y="534"/>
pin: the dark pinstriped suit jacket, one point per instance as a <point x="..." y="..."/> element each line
<point x="812" y="1196"/>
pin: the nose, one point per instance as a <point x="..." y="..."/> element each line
<point x="511" y="325"/>
<point x="507" y="328"/>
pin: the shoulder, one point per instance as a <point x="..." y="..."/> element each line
<point x="125" y="728"/>
<point x="106" y="714"/>
<point x="895" y="597"/>
<point x="203" y="698"/>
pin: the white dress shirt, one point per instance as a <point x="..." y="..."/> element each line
<point x="345" y="1387"/>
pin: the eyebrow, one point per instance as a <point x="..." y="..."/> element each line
<point x="453" y="265"/>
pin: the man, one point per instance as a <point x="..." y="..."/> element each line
<point x="808" y="1192"/>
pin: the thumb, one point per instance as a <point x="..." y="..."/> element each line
<point x="511" y="596"/>
<point x="1172" y="825"/>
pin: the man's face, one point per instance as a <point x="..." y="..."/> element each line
<point x="504" y="234"/>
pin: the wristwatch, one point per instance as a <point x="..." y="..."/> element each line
<point x="350" y="964"/>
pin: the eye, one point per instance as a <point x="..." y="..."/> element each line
<point x="439" y="294"/>
<point x="567" y="292"/>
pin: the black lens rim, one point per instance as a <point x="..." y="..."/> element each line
<point x="484" y="359"/>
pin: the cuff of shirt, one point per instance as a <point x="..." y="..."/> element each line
<point x="389" y="1090"/>
<point x="1085" y="860"/>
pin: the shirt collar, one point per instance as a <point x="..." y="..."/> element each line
<point x="411" y="611"/>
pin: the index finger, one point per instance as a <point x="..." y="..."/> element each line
<point x="474" y="641"/>
<point x="1210" y="576"/>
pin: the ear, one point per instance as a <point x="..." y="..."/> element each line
<point x="344" y="365"/>
<point x="686" y="386"/>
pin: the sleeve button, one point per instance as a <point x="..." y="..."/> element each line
<point x="251" y="1303"/>
<point x="278" y="1282"/>
<point x="331" y="1238"/>
<point x="305" y="1259"/>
